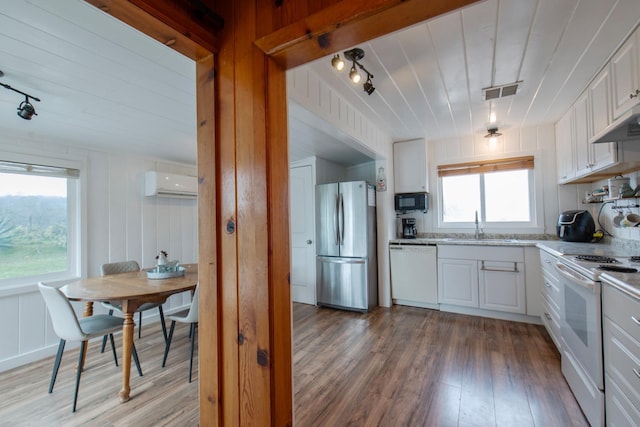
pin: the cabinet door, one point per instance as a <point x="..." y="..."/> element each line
<point x="600" y="103"/>
<point x="624" y="76"/>
<point x="501" y="285"/>
<point x="458" y="282"/>
<point x="581" y="135"/>
<point x="410" y="166"/>
<point x="564" y="148"/>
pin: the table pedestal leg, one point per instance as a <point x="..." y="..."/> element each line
<point x="127" y="346"/>
<point x="88" y="311"/>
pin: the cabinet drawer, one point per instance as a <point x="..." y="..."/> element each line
<point x="548" y="262"/>
<point x="551" y="321"/>
<point x="487" y="253"/>
<point x="622" y="309"/>
<point x="551" y="288"/>
<point x="620" y="412"/>
<point x="622" y="360"/>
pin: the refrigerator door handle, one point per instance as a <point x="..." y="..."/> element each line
<point x="341" y="216"/>
<point x="336" y="223"/>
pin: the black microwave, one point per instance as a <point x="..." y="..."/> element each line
<point x="408" y="202"/>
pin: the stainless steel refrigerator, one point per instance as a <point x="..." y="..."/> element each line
<point x="346" y="263"/>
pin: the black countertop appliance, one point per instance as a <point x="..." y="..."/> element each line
<point x="575" y="226"/>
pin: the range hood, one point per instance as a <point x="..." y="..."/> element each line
<point x="626" y="128"/>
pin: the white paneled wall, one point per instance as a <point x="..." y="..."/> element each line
<point x="120" y="224"/>
<point x="538" y="141"/>
<point x="308" y="90"/>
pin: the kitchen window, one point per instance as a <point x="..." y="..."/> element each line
<point x="39" y="222"/>
<point x="500" y="191"/>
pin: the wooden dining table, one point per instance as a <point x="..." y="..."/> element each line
<point x="132" y="290"/>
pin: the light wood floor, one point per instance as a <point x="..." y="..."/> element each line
<point x="392" y="367"/>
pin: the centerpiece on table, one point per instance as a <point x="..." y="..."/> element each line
<point x="164" y="268"/>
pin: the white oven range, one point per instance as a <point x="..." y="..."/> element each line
<point x="581" y="326"/>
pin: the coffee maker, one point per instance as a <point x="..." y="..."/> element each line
<point x="409" y="230"/>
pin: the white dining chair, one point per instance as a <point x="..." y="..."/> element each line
<point x="69" y="327"/>
<point x="126" y="267"/>
<point x="189" y="315"/>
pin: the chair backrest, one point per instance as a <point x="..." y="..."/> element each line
<point x="192" y="315"/>
<point x="64" y="319"/>
<point x="119" y="267"/>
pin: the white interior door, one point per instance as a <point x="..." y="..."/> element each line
<point x="302" y="223"/>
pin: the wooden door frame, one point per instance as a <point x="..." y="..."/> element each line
<point x="265" y="395"/>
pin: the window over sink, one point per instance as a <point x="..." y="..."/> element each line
<point x="39" y="221"/>
<point x="500" y="191"/>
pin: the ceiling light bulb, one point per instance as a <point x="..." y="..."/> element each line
<point x="353" y="75"/>
<point x="337" y="63"/>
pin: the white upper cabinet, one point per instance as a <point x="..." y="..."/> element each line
<point x="410" y="166"/>
<point x="600" y="116"/>
<point x="564" y="148"/>
<point x="581" y="135"/>
<point x="625" y="75"/>
<point x="600" y="102"/>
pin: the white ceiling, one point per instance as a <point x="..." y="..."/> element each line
<point x="103" y="84"/>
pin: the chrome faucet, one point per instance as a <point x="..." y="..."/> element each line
<point x="479" y="232"/>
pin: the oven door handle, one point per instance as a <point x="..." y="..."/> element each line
<point x="576" y="278"/>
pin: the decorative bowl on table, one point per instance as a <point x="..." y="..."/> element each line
<point x="166" y="271"/>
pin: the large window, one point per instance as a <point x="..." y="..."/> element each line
<point x="500" y="192"/>
<point x="38" y="222"/>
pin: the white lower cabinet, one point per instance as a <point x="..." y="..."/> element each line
<point x="551" y="297"/>
<point x="458" y="282"/>
<point x="501" y="286"/>
<point x="484" y="277"/>
<point x="621" y="339"/>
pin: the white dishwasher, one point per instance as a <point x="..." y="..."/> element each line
<point x="414" y="277"/>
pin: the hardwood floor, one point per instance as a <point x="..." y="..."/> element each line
<point x="162" y="397"/>
<point x="416" y="367"/>
<point x="391" y="367"/>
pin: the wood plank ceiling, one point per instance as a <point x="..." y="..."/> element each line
<point x="104" y="84"/>
<point x="429" y="78"/>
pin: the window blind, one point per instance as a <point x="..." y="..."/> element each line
<point x="495" y="165"/>
<point x="44" y="170"/>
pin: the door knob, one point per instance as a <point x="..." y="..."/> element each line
<point x="309" y="242"/>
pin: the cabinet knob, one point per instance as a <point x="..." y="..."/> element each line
<point x="309" y="242"/>
<point x="634" y="94"/>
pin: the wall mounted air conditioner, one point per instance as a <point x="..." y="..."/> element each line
<point x="162" y="184"/>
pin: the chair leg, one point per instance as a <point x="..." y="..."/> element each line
<point x="113" y="349"/>
<point x="104" y="338"/>
<point x="164" y="327"/>
<point x="134" y="353"/>
<point x="56" y="365"/>
<point x="140" y="325"/>
<point x="83" y="345"/>
<point x="168" y="344"/>
<point x="192" y="332"/>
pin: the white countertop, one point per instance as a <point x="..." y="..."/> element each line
<point x="456" y="241"/>
<point x="558" y="247"/>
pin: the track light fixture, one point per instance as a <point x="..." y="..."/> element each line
<point x="25" y="109"/>
<point x="354" y="55"/>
